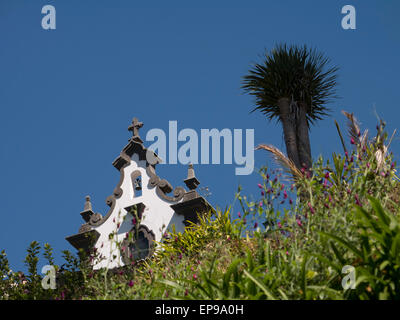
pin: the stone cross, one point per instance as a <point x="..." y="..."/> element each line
<point x="134" y="127"/>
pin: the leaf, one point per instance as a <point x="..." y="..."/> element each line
<point x="344" y="243"/>
<point x="260" y="285"/>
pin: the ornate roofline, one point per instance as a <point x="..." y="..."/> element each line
<point x="163" y="187"/>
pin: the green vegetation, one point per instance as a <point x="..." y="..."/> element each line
<point x="290" y="242"/>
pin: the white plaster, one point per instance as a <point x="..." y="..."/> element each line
<point x="158" y="216"/>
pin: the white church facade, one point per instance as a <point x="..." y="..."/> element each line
<point x="143" y="207"/>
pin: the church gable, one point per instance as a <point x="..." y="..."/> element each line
<point x="142" y="208"/>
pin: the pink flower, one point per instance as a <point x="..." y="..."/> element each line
<point x="287" y="253"/>
<point x="261" y="204"/>
<point x="298" y="222"/>
<point x="282" y="186"/>
<point x="352" y="140"/>
<point x="327" y="175"/>
<point x="260" y="186"/>
<point x="392" y="166"/>
<point x="195" y="276"/>
<point x="290" y="201"/>
<point x="279" y="225"/>
<point x="239" y="215"/>
<point x="368" y="165"/>
<point x="311" y="208"/>
<point x="357" y="200"/>
<point x="134" y="221"/>
<point x="285" y="194"/>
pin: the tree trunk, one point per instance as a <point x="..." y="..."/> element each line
<point x="303" y="139"/>
<point x="289" y="130"/>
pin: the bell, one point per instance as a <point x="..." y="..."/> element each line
<point x="138" y="184"/>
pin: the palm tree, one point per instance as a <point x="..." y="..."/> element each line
<point x="292" y="86"/>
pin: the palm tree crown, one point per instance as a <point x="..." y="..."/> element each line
<point x="294" y="72"/>
<point x="293" y="84"/>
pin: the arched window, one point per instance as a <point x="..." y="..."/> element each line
<point x="140" y="247"/>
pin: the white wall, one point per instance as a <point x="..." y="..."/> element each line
<point x="158" y="216"/>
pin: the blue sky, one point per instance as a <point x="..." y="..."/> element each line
<point x="68" y="95"/>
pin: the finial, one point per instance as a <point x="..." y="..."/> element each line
<point x="88" y="204"/>
<point x="191" y="180"/>
<point x="134" y="127"/>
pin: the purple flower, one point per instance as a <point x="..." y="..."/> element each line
<point x="134" y="221"/>
<point x="255" y="225"/>
<point x="311" y="208"/>
<point x="290" y="201"/>
<point x="357" y="200"/>
<point x="262" y="193"/>
<point x="327" y="175"/>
